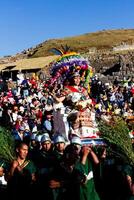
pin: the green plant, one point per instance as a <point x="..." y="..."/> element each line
<point x="116" y="134"/>
<point x="6" y="145"/>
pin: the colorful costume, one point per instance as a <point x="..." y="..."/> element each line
<point x="75" y="116"/>
<point x="79" y="118"/>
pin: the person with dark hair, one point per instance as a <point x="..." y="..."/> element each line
<point x="75" y="97"/>
<point x="21" y="174"/>
<point x="44" y="164"/>
<point x="87" y="190"/>
<point x="66" y="179"/>
<point x="73" y="178"/>
<point x="47" y="122"/>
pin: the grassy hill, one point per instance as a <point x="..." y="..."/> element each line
<point x="102" y="40"/>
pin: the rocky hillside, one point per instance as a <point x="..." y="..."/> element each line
<point x="111" y="52"/>
<point x="90" y="42"/>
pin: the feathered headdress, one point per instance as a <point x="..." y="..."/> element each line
<point x="68" y="63"/>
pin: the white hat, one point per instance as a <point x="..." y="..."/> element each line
<point x="106" y="84"/>
<point x="45" y="138"/>
<point x="27" y="127"/>
<point x="19" y="117"/>
<point x="21" y="109"/>
<point x="38" y="138"/>
<point x="33" y="136"/>
<point x="46" y="134"/>
<point x="76" y="140"/>
<point x="59" y="139"/>
<point x="22" y="128"/>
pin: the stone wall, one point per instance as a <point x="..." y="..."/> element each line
<point x="124" y="47"/>
<point x="113" y="65"/>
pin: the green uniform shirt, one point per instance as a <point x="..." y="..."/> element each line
<point x="87" y="190"/>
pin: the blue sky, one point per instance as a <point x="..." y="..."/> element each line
<point x="26" y="23"/>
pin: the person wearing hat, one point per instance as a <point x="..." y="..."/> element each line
<point x="35" y="151"/>
<point x="77" y="142"/>
<point x="45" y="164"/>
<point x="18" y="122"/>
<point x="11" y="84"/>
<point x="38" y="140"/>
<point x="45" y="143"/>
<point x="75" y="97"/>
<point x="32" y="140"/>
<point x="25" y="87"/>
<point x="72" y="88"/>
<point x="45" y="134"/>
<point x="59" y="147"/>
<point x="33" y="123"/>
<point x="87" y="159"/>
<point x="46" y="148"/>
<point x="66" y="179"/>
<point x="19" y="135"/>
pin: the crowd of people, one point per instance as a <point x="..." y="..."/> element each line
<point x="48" y="122"/>
<point x="29" y="105"/>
